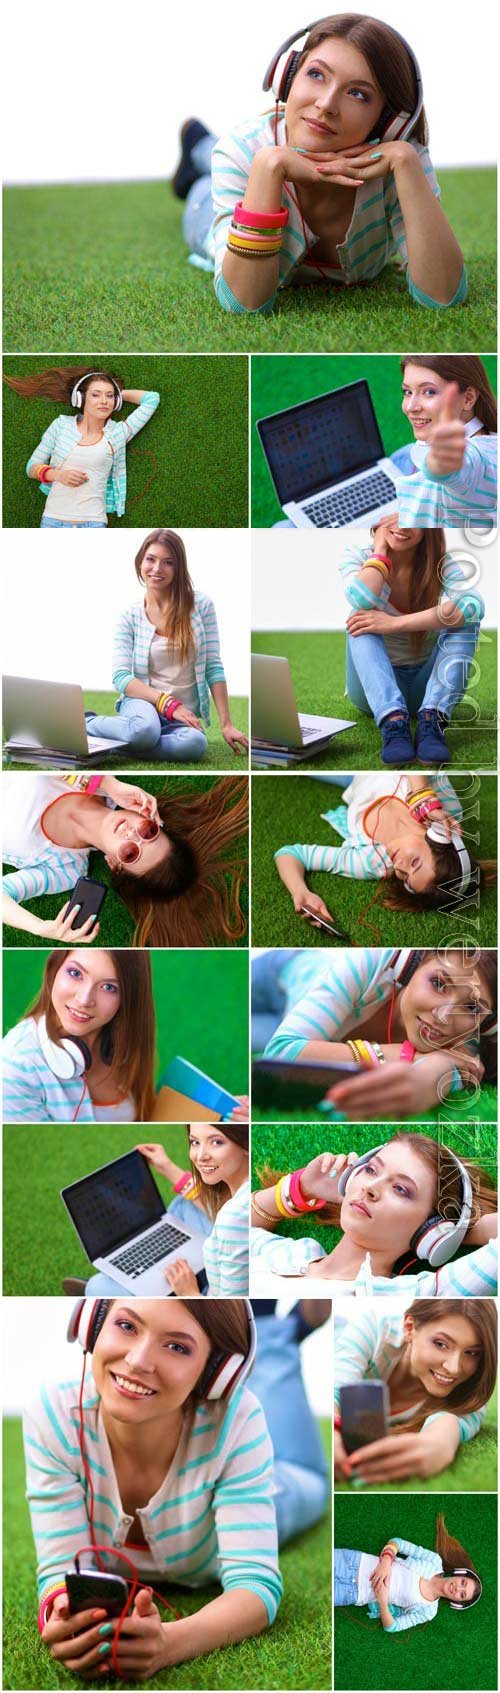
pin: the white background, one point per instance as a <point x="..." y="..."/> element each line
<point x="139" y="71"/>
<point x="295" y="581"/>
<point x="62" y="595"/>
<point x="35" y="1351"/>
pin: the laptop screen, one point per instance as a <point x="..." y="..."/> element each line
<point x="315" y="445"/>
<point x="113" y="1204"/>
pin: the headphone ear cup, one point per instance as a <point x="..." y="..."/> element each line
<point x="119" y="400"/>
<point x="86" y="1321"/>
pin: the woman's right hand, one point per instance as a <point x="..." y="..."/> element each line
<point x="447" y="439"/>
<point x="71" y="478"/>
<point x="320" y="1178"/>
<point x="62" y="928"/>
<point x="310" y="905"/>
<point x="300" y="166"/>
<point x="182" y="714"/>
<point x="75" y="1641"/>
<point x="156" y="1156"/>
<point x="341" y="1464"/>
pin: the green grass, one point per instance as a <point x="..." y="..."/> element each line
<point x="201" y="1002"/>
<point x="143" y="293"/>
<point x="461" y="1649"/>
<point x="317" y="662"/>
<point x="279" y="382"/>
<point x="187" y="468"/>
<point x="117" y="926"/>
<point x="218" y="755"/>
<point x="289" y="1656"/>
<point x="474" y="1469"/>
<point x="282" y="1149"/>
<point x="286" y="809"/>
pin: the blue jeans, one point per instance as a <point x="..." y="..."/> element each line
<point x="301" y="1475"/>
<point x="199" y="210"/>
<point x="378" y="687"/>
<point x="47" y="522"/>
<point x="185" y="1212"/>
<point x="269" y="998"/>
<point x="345" y="1576"/>
<point x="137" y="725"/>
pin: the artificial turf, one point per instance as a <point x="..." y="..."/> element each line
<point x="218" y="755"/>
<point x="461" y="1651"/>
<point x="201" y="1003"/>
<point x="187" y="468"/>
<point x="281" y="382"/>
<point x="317" y="663"/>
<point x="474" y="1468"/>
<point x="290" y="1655"/>
<point x="143" y="293"/>
<point x="117" y="926"/>
<point x="288" y="809"/>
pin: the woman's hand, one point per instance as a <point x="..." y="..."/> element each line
<point x="372" y="622"/>
<point x="241" y="1113"/>
<point x="443" y="817"/>
<point x="395" y="1091"/>
<point x="143" y="1643"/>
<point x="181" y="1277"/>
<point x="130" y="798"/>
<point x="62" y="928"/>
<point x="380" y="1579"/>
<point x="341" y="1460"/>
<point x="402" y="1455"/>
<point x="320" y="1178"/>
<point x="235" y="738"/>
<point x="75" y="1641"/>
<point x="311" y="906"/>
<point x="373" y="159"/>
<point x="182" y="714"/>
<point x="447" y="438"/>
<point x="71" y="478"/>
<point x="156" y="1156"/>
<point x="295" y="164"/>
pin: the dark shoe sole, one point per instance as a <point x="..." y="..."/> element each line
<point x="73" y="1285"/>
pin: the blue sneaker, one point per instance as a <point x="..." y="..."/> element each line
<point x="186" y="173"/>
<point x="430" y="744"/>
<point x="397" y="744"/>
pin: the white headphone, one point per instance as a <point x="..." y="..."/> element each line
<point x="66" y="1058"/>
<point x="282" y="68"/>
<point x="224" y="1372"/>
<point x="436" y="1240"/>
<point x="77" y="397"/>
<point x="456" y="1606"/>
<point x="438" y="834"/>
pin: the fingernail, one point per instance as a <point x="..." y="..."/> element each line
<point x="106" y="1647"/>
<point x="96" y="1615"/>
<point x="107" y="1628"/>
<point x="375" y="155"/>
<point x="93" y="918"/>
<point x="299" y="149"/>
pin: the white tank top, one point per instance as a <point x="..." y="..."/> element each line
<point x="87" y="503"/>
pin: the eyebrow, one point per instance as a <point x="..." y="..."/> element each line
<point x="444" y="971"/>
<point x="359" y="80"/>
<point x="173" y="1334"/>
<point x="399" y="1175"/>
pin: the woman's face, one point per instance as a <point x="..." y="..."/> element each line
<point x="390" y="534"/>
<point x="444" y="1003"/>
<point x="217" y="1158"/>
<point x="444" y="1353"/>
<point x="158" y="566"/>
<point x="100" y="399"/>
<point x="148" y="1358"/>
<point x="86" y="992"/>
<point x="459" y="1588"/>
<point x="120" y="830"/>
<point x="388" y="1199"/>
<point x="413" y="860"/>
<point x="334" y="100"/>
<point x="423" y="393"/>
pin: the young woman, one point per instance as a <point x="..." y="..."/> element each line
<point x="412" y="634"/>
<point x="166" y="662"/>
<point x="172" y="860"/>
<point x="404" y="1585"/>
<point x="383" y="1210"/>
<point x="79" y="464"/>
<point x="439" y="1359"/>
<point x="175" y="1491"/>
<point x="422" y="1015"/>
<point x="212" y="1200"/>
<point x="328" y="185"/>
<point x="385" y="821"/>
<point x="450" y="475"/>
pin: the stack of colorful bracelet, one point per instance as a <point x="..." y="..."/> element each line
<point x="166" y="705"/>
<point x="41" y="473"/>
<point x="422" y="804"/>
<point x="378" y="561"/>
<point x="290" y="1200"/>
<point x="367" y="1052"/>
<point x="256" y="235"/>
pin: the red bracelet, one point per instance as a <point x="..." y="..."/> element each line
<point x="298" y="1198"/>
<point x="41" y="474"/>
<point x="337" y="1419"/>
<point x="374" y="557"/>
<point x="407" y="1052"/>
<point x="94" y="782"/>
<point x="260" y="220"/>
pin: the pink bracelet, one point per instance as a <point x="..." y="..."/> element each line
<point x="94" y="782"/>
<point x="424" y="810"/>
<point x="46" y="1604"/>
<point x="407" y="1052"/>
<point x="376" y="558"/>
<point x="337" y="1419"/>
<point x="173" y="706"/>
<point x="183" y="1181"/>
<point x="260" y="220"/>
<point x="298" y="1198"/>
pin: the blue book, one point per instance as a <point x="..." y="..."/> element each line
<point x="184" y="1086"/>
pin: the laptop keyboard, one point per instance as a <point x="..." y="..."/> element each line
<point x="343" y="506"/>
<point x="134" y="1259"/>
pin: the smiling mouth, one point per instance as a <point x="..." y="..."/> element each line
<point x="444" y="1381"/>
<point x="357" y="1205"/>
<point x="430" y="1034"/>
<point x="130" y="1388"/>
<point x="79" y="1016"/>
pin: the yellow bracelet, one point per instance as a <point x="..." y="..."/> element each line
<point x="278" y="1200"/>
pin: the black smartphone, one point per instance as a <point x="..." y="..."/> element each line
<point x="364" y="1409"/>
<point x="95" y="1587"/>
<point x="321" y="923"/>
<point x="276" y="1081"/>
<point x="90" y="896"/>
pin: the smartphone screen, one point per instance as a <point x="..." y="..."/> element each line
<point x="96" y="1587"/>
<point x="364" y="1409"/>
<point x="90" y="896"/>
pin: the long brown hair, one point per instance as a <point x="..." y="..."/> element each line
<point x="387" y="56"/>
<point x="444" y="894"/>
<point x="57" y="383"/>
<point x="470" y="1395"/>
<point x="178" y="621"/>
<point x="194" y="897"/>
<point x="212" y="1197"/>
<point x="468" y="371"/>
<point x="129" y="1039"/>
<point x="453" y="1555"/>
<point x="426" y="585"/>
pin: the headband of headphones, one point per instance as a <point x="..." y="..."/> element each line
<point x="464" y="1605"/>
<point x="438" y="835"/>
<point x="78" y="397"/>
<point x="408" y="959"/>
<point x="435" y="1241"/>
<point x="224" y="1372"/>
<point x="66" y="1058"/>
<point x="284" y="64"/>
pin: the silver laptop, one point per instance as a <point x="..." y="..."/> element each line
<point x="44" y="721"/>
<point x="326" y="459"/>
<point x="125" y="1228"/>
<point x="276" y="723"/>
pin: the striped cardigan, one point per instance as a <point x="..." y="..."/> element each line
<point x="428" y="1564"/>
<point x="468" y="496"/>
<point x="360" y="857"/>
<point x="62" y="435"/>
<point x="367" y="1349"/>
<point x="132" y="643"/>
<point x="226" y="1249"/>
<point x="33" y="1094"/>
<point x="454" y="587"/>
<point x="212" y="1518"/>
<point x="273" y="1255"/>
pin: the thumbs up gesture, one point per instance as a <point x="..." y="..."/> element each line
<point x="447" y="438"/>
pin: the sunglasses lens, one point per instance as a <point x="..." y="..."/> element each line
<point x="148" y="829"/>
<point x="128" y="852"/>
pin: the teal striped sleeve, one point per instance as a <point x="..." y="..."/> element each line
<point x="36" y="879"/>
<point x="245" y="1515"/>
<point x="55" y="1494"/>
<point x="324" y="1010"/>
<point x="354" y="1350"/>
<point x="43" y="452"/>
<point x="226" y="1249"/>
<point x="141" y="414"/>
<point x="123" y="652"/>
<point x="455" y="587"/>
<point x="422" y="299"/>
<point x="214" y="669"/>
<point x="468" y="1425"/>
<point x="409" y="1619"/>
<point x="356" y="858"/>
<point x="361" y="597"/>
<point x="475" y="1273"/>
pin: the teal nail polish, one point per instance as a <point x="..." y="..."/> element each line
<point x="106" y="1647"/>
<point x="299" y="149"/>
<point x="375" y="155"/>
<point x="107" y="1628"/>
